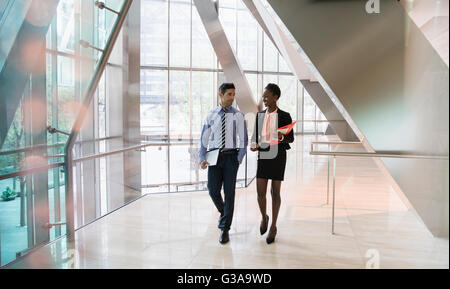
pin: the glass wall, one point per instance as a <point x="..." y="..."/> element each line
<point x="75" y="63"/>
<point x="180" y="75"/>
<point x="32" y="184"/>
<point x="313" y="119"/>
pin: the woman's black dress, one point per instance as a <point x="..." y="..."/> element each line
<point x="272" y="159"/>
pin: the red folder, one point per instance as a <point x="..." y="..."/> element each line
<point x="287" y="128"/>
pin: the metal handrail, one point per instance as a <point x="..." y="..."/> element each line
<point x="31" y="171"/>
<point x="379" y="154"/>
<point x="333" y="143"/>
<point x="30" y="148"/>
<point x="85" y="158"/>
<point x="54" y="156"/>
<point x="123" y="150"/>
<point x="386" y="154"/>
<point x="130" y="148"/>
<point x="80" y="142"/>
<point x="180" y="184"/>
<point x="336" y="142"/>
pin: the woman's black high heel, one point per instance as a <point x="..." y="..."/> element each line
<point x="271" y="237"/>
<point x="264" y="225"/>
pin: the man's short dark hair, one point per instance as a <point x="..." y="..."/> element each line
<point x="223" y="88"/>
<point x="272" y="87"/>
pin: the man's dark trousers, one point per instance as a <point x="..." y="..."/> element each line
<point x="224" y="172"/>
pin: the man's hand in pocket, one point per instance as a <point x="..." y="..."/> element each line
<point x="204" y="165"/>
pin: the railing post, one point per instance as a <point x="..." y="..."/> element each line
<point x="328" y="178"/>
<point x="246" y="168"/>
<point x="70" y="213"/>
<point x="334" y="191"/>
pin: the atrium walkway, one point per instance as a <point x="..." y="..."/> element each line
<point x="179" y="230"/>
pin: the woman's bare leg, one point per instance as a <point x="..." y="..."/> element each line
<point x="261" y="188"/>
<point x="276" y="201"/>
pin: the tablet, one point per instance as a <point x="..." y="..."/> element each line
<point x="212" y="156"/>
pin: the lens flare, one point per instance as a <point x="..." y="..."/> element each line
<point x="29" y="55"/>
<point x="34" y="161"/>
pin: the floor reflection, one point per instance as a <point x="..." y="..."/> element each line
<point x="179" y="230"/>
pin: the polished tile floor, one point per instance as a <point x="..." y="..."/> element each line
<point x="373" y="228"/>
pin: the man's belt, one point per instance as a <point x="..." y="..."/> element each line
<point x="229" y="151"/>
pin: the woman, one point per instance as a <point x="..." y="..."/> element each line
<point x="271" y="146"/>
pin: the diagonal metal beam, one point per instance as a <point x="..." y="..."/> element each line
<point x="227" y="58"/>
<point x="302" y="70"/>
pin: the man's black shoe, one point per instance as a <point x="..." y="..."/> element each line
<point x="224" y="237"/>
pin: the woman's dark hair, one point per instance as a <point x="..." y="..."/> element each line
<point x="223" y="88"/>
<point x="272" y="87"/>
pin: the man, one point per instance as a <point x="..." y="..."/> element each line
<point x="223" y="128"/>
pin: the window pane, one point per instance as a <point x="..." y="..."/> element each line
<point x="222" y="79"/>
<point x="299" y="126"/>
<point x="154" y="32"/>
<point x="203" y="97"/>
<point x="309" y="113"/>
<point x="288" y="99"/>
<point x="114" y="100"/>
<point x="227" y="4"/>
<point x="269" y="78"/>
<point x="179" y="105"/>
<point x="154" y="175"/>
<point x="102" y="107"/>
<point x="67" y="104"/>
<point x="180" y="31"/>
<point x="228" y="19"/>
<point x="184" y="166"/>
<point x="154" y="85"/>
<point x="65" y="26"/>
<point x="101" y="27"/>
<point x="270" y="55"/>
<point x="253" y="82"/>
<point x="321" y="126"/>
<point x="283" y="65"/>
<point x="247" y="40"/>
<point x="203" y="55"/>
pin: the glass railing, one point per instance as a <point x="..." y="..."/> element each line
<point x="178" y="169"/>
<point x="33" y="166"/>
<point x="32" y="211"/>
<point x="103" y="184"/>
